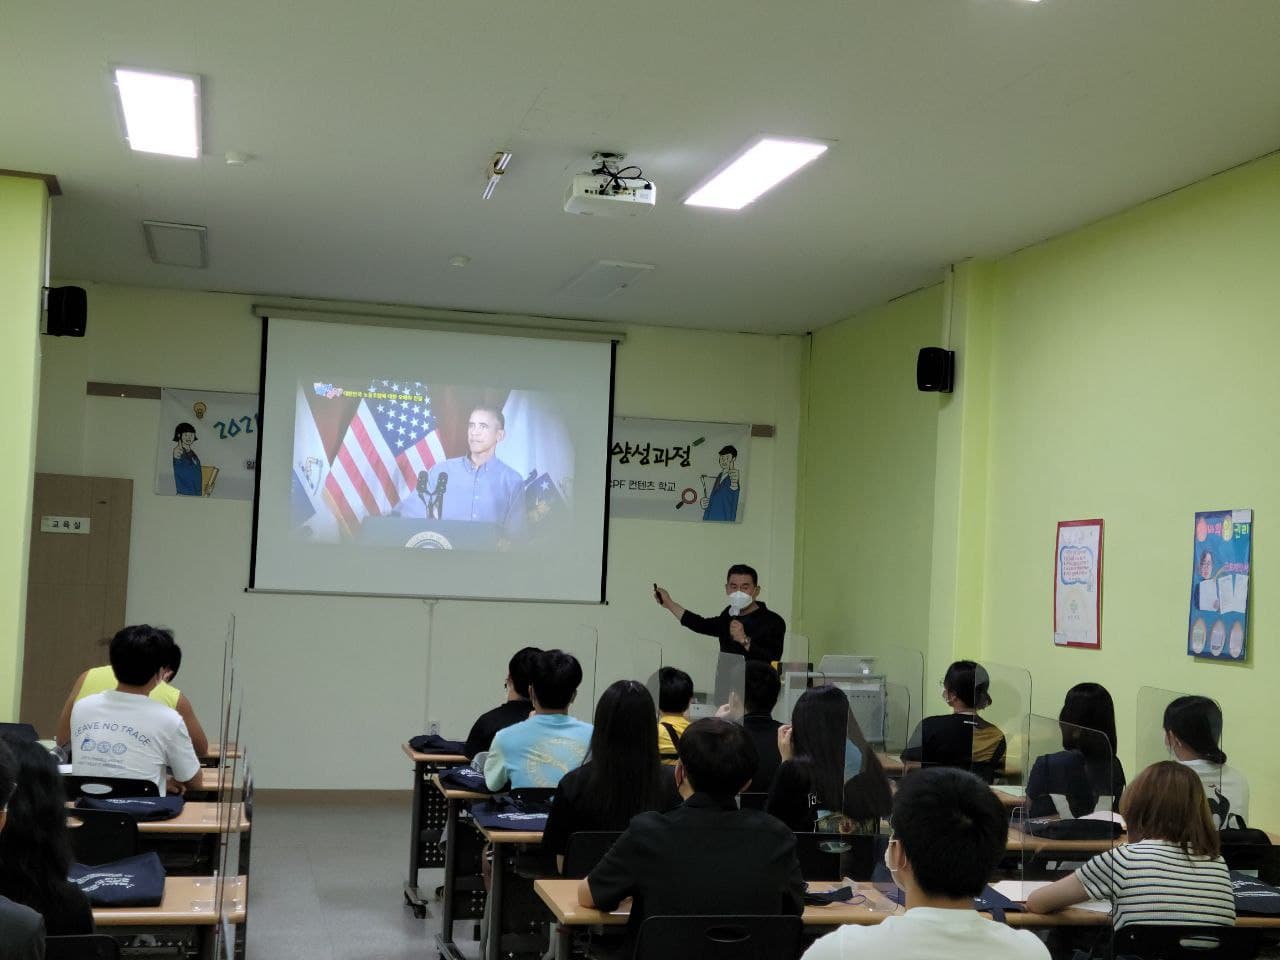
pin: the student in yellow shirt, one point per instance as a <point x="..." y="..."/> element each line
<point x="675" y="693"/>
<point x="98" y="679"/>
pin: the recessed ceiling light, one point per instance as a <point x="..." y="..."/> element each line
<point x="762" y="166"/>
<point x="161" y="111"/>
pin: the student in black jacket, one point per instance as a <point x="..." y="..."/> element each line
<point x="35" y="852"/>
<point x="516" y="709"/>
<point x="961" y="738"/>
<point x="621" y="775"/>
<point x="1074" y="781"/>
<point x="761" y="695"/>
<point x="706" y="856"/>
<point x="830" y="779"/>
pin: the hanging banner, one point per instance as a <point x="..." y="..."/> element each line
<point x="1220" y="584"/>
<point x="678" y="470"/>
<point x="1077" y="584"/>
<point x="207" y="444"/>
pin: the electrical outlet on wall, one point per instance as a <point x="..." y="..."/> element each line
<point x="433" y="728"/>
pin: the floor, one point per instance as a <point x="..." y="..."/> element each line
<point x="326" y="880"/>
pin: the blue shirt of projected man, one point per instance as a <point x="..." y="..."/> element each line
<point x="481" y="488"/>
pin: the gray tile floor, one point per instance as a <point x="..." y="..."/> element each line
<point x="326" y="880"/>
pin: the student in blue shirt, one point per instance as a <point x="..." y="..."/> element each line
<point x="539" y="751"/>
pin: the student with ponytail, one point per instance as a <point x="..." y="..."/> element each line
<point x="1193" y="733"/>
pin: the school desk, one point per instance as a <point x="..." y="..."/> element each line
<point x="185" y="918"/>
<point x="426" y="822"/>
<point x="458" y="884"/>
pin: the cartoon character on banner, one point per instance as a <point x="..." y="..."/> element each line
<point x="721" y="501"/>
<point x="188" y="479"/>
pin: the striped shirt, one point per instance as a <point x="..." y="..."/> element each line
<point x="1155" y="882"/>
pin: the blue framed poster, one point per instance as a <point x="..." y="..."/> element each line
<point x="1218" y="626"/>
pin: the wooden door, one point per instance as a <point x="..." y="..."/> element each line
<point x="76" y="588"/>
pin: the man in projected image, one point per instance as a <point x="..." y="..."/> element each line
<point x="481" y="488"/>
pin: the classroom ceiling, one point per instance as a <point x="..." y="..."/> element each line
<point x="963" y="128"/>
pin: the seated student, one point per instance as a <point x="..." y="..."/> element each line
<point x="1192" y="731"/>
<point x="761" y="691"/>
<point x="516" y="709"/>
<point x="961" y="738"/>
<point x="538" y="751"/>
<point x="949" y="833"/>
<point x="830" y="779"/>
<point x="35" y="852"/>
<point x="1085" y="775"/>
<point x="621" y="775"/>
<point x="1170" y="872"/>
<point x="98" y="679"/>
<point x="123" y="732"/>
<point x="706" y="856"/>
<point x="675" y="693"/>
<point x="21" y="928"/>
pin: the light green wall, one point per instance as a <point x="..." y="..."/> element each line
<point x="23" y="206"/>
<point x="867" y="484"/>
<point x="1134" y="378"/>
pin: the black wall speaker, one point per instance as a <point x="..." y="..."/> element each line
<point x="67" y="310"/>
<point x="935" y="370"/>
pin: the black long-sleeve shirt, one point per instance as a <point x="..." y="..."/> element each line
<point x="764" y="627"/>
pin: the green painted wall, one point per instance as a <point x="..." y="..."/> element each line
<point x="1134" y="378"/>
<point x="867" y="481"/>
<point x="23" y="204"/>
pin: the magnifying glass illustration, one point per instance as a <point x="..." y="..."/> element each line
<point x="688" y="495"/>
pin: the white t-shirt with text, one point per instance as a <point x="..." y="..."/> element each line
<point x="116" y="734"/>
<point x="930" y="933"/>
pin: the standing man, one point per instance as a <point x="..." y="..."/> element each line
<point x="745" y="627"/>
<point x="722" y="502"/>
<point x="480" y="488"/>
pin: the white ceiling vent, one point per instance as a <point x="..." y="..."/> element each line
<point x="177" y="244"/>
<point x="604" y="279"/>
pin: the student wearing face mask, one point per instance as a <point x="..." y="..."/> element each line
<point x="745" y="627"/>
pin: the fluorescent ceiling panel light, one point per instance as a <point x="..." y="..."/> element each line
<point x="759" y="168"/>
<point x="161" y="111"/>
<point x="177" y="244"/>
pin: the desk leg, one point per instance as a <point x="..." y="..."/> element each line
<point x="412" y="896"/>
<point x="493" y="942"/>
<point x="450" y="871"/>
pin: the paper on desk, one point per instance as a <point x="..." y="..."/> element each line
<point x="1019" y="890"/>
<point x="1011" y="789"/>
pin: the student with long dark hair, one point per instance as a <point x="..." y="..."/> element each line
<point x="1085" y="774"/>
<point x="829" y="773"/>
<point x="960" y="738"/>
<point x="621" y="775"/>
<point x="35" y="852"/>
<point x="1193" y="732"/>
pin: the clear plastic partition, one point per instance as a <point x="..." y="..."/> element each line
<point x="584" y="643"/>
<point x="903" y="672"/>
<point x="1066" y="817"/>
<point x="635" y="658"/>
<point x="1004" y="704"/>
<point x="228" y="672"/>
<point x="231" y="892"/>
<point x="900" y="721"/>
<point x="730" y="687"/>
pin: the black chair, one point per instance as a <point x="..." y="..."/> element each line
<point x="719" y="938"/>
<point x="89" y="946"/>
<point x="19" y="731"/>
<point x="752" y="801"/>
<point x="586" y="848"/>
<point x="834" y="856"/>
<point x="97" y="788"/>
<point x="1149" y="942"/>
<point x="102" y="836"/>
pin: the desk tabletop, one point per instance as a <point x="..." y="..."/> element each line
<point x="217" y="751"/>
<point x="197" y="817"/>
<point x="187" y="901"/>
<point x="451" y="794"/>
<point x="418" y="757"/>
<point x="510" y="836"/>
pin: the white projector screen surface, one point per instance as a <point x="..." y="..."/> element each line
<point x="420" y="462"/>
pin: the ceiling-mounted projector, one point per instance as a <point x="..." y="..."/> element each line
<point x="610" y="190"/>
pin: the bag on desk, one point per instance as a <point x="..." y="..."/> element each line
<point x="511" y="813"/>
<point x="433" y="743"/>
<point x="1051" y="828"/>
<point x="464" y="778"/>
<point x="131" y="882"/>
<point x="140" y="808"/>
<point x="1253" y="896"/>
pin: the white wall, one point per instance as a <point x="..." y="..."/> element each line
<point x="333" y="685"/>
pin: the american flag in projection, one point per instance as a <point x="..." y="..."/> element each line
<point x="391" y="437"/>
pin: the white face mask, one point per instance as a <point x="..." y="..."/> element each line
<point x="738" y="601"/>
<point x="889" y="866"/>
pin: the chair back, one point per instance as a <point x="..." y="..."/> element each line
<point x="102" y="836"/>
<point x="833" y="856"/>
<point x="752" y="801"/>
<point x="719" y="938"/>
<point x="84" y="785"/>
<point x="86" y="946"/>
<point x="586" y="848"/>
<point x="1151" y="942"/>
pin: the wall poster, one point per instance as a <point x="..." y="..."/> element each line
<point x="678" y="470"/>
<point x="207" y="444"/>
<point x="1218" y="625"/>
<point x="1077" y="584"/>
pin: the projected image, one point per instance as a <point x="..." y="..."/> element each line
<point x="401" y="463"/>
